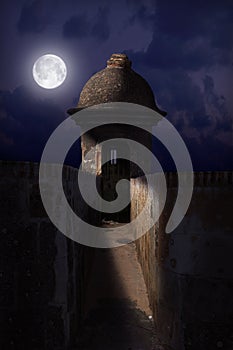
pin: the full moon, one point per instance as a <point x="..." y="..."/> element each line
<point x="49" y="71"/>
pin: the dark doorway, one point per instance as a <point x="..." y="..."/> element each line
<point x="113" y="171"/>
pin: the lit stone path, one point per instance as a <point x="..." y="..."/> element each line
<point x="118" y="312"/>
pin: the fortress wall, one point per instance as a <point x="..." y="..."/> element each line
<point x="189" y="272"/>
<point x="43" y="274"/>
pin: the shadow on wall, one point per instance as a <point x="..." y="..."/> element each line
<point x="189" y="272"/>
<point x="50" y="298"/>
<point x="43" y="274"/>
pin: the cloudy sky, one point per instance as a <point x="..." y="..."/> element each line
<point x="183" y="48"/>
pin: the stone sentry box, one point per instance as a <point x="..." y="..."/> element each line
<point x="115" y="83"/>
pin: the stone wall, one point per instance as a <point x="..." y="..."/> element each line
<point x="189" y="272"/>
<point x="43" y="274"/>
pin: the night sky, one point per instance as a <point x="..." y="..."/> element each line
<point x="184" y="49"/>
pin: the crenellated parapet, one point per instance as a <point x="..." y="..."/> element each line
<point x="203" y="178"/>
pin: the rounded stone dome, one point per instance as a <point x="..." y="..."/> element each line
<point x="116" y="83"/>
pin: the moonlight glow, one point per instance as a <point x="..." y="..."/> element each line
<point x="49" y="71"/>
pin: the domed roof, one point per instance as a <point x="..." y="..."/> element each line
<point x="116" y="83"/>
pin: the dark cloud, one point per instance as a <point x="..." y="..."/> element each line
<point x="206" y="126"/>
<point x="181" y="19"/>
<point x="77" y="26"/>
<point x="143" y="16"/>
<point x="211" y="96"/>
<point x="200" y="115"/>
<point x="188" y="35"/>
<point x="25" y="124"/>
<point x="223" y="118"/>
<point x="34" y="16"/>
<point x="170" y="52"/>
<point x="201" y="109"/>
<point x="101" y="28"/>
<point x="189" y="20"/>
<point x="180" y="97"/>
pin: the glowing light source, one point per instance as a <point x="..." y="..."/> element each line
<point x="49" y="71"/>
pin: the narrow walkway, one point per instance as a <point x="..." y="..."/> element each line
<point x="118" y="316"/>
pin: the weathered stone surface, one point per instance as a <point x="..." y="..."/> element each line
<point x="41" y="271"/>
<point x="117" y="83"/>
<point x="189" y="272"/>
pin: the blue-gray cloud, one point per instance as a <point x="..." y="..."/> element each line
<point x="188" y="35"/>
<point x="101" y="28"/>
<point x="80" y="26"/>
<point x="25" y="124"/>
<point x="35" y="16"/>
<point x="76" y="27"/>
